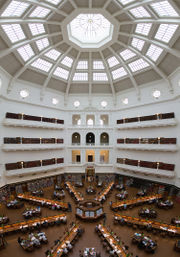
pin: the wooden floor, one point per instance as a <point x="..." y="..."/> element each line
<point x="90" y="238"/>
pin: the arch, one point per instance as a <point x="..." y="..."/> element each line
<point x="76" y="139"/>
<point x="104" y="139"/>
<point x="90" y="138"/>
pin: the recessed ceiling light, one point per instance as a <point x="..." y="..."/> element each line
<point x="14" y="32"/>
<point x="156" y="93"/>
<point x="103" y="104"/>
<point x="76" y="104"/>
<point x="98" y="65"/>
<point x="55" y="101"/>
<point x="0" y="82"/>
<point x="24" y="93"/>
<point x="125" y="100"/>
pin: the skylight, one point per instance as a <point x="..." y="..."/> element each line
<point x="14" y="32"/>
<point x="112" y="61"/>
<point x="138" y="65"/>
<point x="143" y="28"/>
<point x="90" y="30"/>
<point x="55" y="2"/>
<point x="124" y="2"/>
<point x="137" y="43"/>
<point x="42" y="43"/>
<point x="36" y="28"/>
<point x="83" y="76"/>
<point x="15" y="8"/>
<point x="165" y="32"/>
<point x="140" y="12"/>
<point x="100" y="76"/>
<point x="127" y="54"/>
<point x="42" y="65"/>
<point x="154" y="52"/>
<point x="98" y="65"/>
<point x="82" y="65"/>
<point x="40" y="12"/>
<point x="164" y="8"/>
<point x="119" y="73"/>
<point x="67" y="61"/>
<point x="61" y="73"/>
<point x="26" y="52"/>
<point x="53" y="54"/>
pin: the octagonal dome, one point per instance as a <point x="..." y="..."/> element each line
<point x="90" y="30"/>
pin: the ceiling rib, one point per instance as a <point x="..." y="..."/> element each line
<point x="52" y="71"/>
<point x="109" y="77"/>
<point x="90" y="78"/>
<point x="155" y="21"/>
<point x="128" y="71"/>
<point x="71" y="76"/>
<point x="25" y="21"/>
<point x="28" y="41"/>
<point x="26" y="65"/>
<point x="157" y="43"/>
<point x="150" y="63"/>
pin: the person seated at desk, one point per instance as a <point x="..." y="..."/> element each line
<point x="141" y="193"/>
<point x="122" y="195"/>
<point x="14" y="204"/>
<point x="166" y="204"/>
<point x="4" y="220"/>
<point x="120" y="187"/>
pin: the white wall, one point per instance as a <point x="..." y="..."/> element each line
<point x="33" y="105"/>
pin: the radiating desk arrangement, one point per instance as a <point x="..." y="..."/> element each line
<point x="73" y="191"/>
<point x="148" y="224"/>
<point x="104" y="192"/>
<point x="114" y="244"/>
<point x="67" y="238"/>
<point x="32" y="223"/>
<point x="135" y="202"/>
<point x="43" y="201"/>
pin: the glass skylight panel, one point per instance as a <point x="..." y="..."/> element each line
<point x="140" y="12"/>
<point x="61" y="73"/>
<point x="138" y="65"/>
<point x="40" y="12"/>
<point x="80" y="76"/>
<point x="14" y="32"/>
<point x="124" y="2"/>
<point x="36" y="28"/>
<point x="143" y="28"/>
<point x="82" y="65"/>
<point x="42" y="65"/>
<point x="55" y="2"/>
<point x="15" y="8"/>
<point x="154" y="52"/>
<point x="127" y="54"/>
<point x="112" y="61"/>
<point x="164" y="8"/>
<point x="98" y="65"/>
<point x="53" y="54"/>
<point x="165" y="32"/>
<point x="26" y="52"/>
<point x="138" y="43"/>
<point x="119" y="73"/>
<point x="67" y="61"/>
<point x="42" y="43"/>
<point x="100" y="76"/>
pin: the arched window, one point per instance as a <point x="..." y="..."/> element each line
<point x="90" y="122"/>
<point x="90" y="139"/>
<point x="104" y="139"/>
<point x="76" y="139"/>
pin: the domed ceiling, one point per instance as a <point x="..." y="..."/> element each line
<point x="89" y="46"/>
